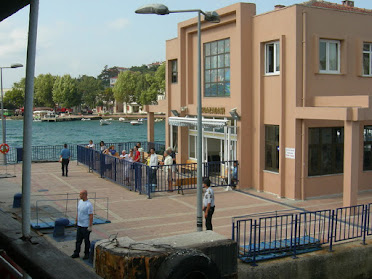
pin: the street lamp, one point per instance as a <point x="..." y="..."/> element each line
<point x="160" y="9"/>
<point x="16" y="65"/>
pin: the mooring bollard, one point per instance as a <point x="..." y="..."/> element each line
<point x="59" y="227"/>
<point x="17" y="200"/>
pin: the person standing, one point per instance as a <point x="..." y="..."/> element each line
<point x="208" y="204"/>
<point x="141" y="151"/>
<point x="84" y="221"/>
<point x="168" y="162"/>
<point x="90" y="145"/>
<point x="65" y="159"/>
<point x="153" y="164"/>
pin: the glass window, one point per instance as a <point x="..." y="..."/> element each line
<point x="367" y="59"/>
<point x="272" y="58"/>
<point x="326" y="151"/>
<point x="192" y="144"/>
<point x="174" y="71"/>
<point x="272" y="148"/>
<point x="367" y="156"/>
<point x="329" y="56"/>
<point x="175" y="139"/>
<point x="217" y="68"/>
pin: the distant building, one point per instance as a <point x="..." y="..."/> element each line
<point x="294" y="84"/>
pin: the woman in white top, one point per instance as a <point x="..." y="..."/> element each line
<point x="153" y="164"/>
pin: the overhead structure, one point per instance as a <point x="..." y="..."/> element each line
<point x="9" y="7"/>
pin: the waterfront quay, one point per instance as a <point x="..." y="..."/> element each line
<point x="135" y="216"/>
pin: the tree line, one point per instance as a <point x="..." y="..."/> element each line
<point x="139" y="84"/>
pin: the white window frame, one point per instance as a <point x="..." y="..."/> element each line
<point x="276" y="45"/>
<point x="327" y="70"/>
<point x="370" y="60"/>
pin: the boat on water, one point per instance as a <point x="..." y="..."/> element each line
<point x="122" y="119"/>
<point x="104" y="122"/>
<point x="158" y="119"/>
<point x="85" y="119"/>
<point x="136" y="122"/>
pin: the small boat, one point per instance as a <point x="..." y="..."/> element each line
<point x="136" y="122"/>
<point x="158" y="120"/>
<point x="85" y="119"/>
<point x="104" y="122"/>
<point x="110" y="119"/>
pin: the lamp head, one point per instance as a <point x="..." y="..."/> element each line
<point x="158" y="9"/>
<point x="16" y="65"/>
<point x="213" y="17"/>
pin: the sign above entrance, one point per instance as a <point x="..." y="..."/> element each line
<point x="188" y="121"/>
<point x="213" y="110"/>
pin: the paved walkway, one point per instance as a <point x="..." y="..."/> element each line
<point x="140" y="218"/>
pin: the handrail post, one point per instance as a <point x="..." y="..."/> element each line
<point x="330" y="234"/>
<point x="295" y="236"/>
<point x="365" y="228"/>
<point x="254" y="244"/>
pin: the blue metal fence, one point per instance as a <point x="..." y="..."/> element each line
<point x="149" y="180"/>
<point x="51" y="153"/>
<point x="270" y="235"/>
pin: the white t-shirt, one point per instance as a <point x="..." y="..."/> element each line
<point x="208" y="197"/>
<point x="125" y="157"/>
<point x="153" y="160"/>
<point x="91" y="145"/>
<point x="85" y="208"/>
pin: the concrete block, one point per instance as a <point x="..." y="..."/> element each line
<point x="123" y="256"/>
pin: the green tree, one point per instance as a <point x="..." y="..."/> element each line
<point x="15" y="98"/>
<point x="90" y="88"/>
<point x="43" y="95"/>
<point x="106" y="74"/>
<point x="106" y="97"/>
<point x="126" y="86"/>
<point x="65" y="92"/>
<point x="154" y="85"/>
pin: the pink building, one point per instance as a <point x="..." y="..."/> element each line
<point x="298" y="80"/>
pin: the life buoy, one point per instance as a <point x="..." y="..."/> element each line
<point x="4" y="148"/>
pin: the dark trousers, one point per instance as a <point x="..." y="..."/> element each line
<point x="208" y="219"/>
<point x="82" y="234"/>
<point x="65" y="166"/>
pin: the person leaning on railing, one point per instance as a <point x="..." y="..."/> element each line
<point x="90" y="145"/>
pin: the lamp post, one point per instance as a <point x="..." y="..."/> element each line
<point x="16" y="65"/>
<point x="160" y="9"/>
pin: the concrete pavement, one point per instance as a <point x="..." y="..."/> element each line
<point x="140" y="218"/>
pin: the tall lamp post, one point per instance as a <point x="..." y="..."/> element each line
<point x="160" y="9"/>
<point x="16" y="65"/>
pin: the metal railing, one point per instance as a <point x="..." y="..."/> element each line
<point x="149" y="180"/>
<point x="269" y="235"/>
<point x="51" y="153"/>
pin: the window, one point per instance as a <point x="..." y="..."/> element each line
<point x="272" y="148"/>
<point x="367" y="156"/>
<point x="174" y="143"/>
<point x="326" y="150"/>
<point x="329" y="56"/>
<point x="217" y="68"/>
<point x="367" y="59"/>
<point x="192" y="146"/>
<point x="272" y="58"/>
<point x="174" y="71"/>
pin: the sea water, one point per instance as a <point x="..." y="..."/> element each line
<point x="80" y="132"/>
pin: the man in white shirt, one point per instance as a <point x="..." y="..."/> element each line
<point x="84" y="221"/>
<point x="91" y="144"/>
<point x="208" y="204"/>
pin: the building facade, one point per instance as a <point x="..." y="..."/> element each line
<point x="295" y="85"/>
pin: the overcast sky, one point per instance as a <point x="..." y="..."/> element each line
<point x="82" y="36"/>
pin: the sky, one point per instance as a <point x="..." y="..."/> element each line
<point x="80" y="37"/>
